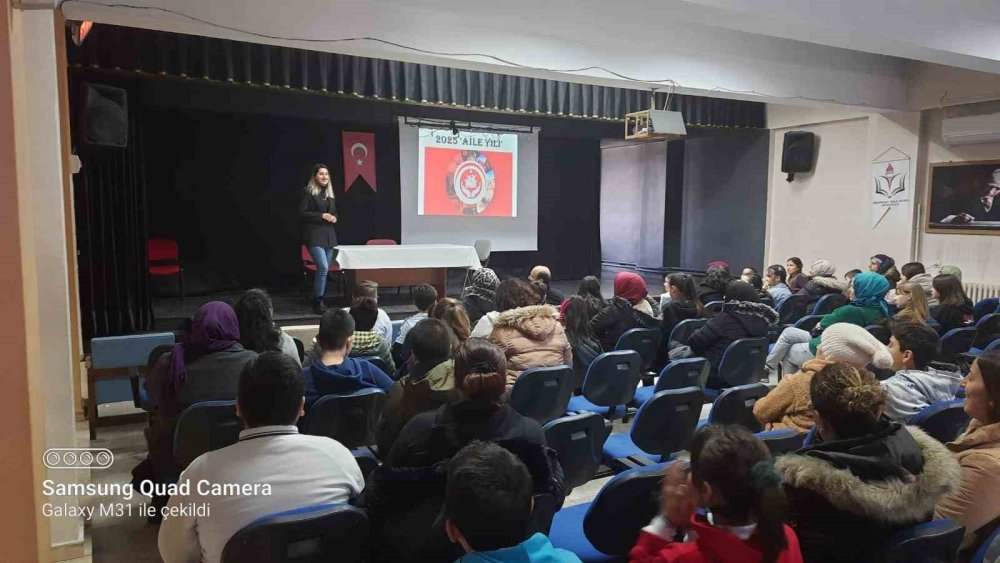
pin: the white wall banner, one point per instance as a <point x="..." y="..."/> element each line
<point x="891" y="185"/>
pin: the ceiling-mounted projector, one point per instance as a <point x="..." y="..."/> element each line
<point x="654" y="125"/>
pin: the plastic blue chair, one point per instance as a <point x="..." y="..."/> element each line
<point x="204" y="427"/>
<point x="687" y="372"/>
<point x="350" y="419"/>
<point x="811" y="437"/>
<point x="880" y="333"/>
<point x="743" y="362"/>
<point x="327" y="532"/>
<point x="609" y="385"/>
<point x="543" y="393"/>
<point x="781" y="442"/>
<point x="985" y="307"/>
<point x="645" y="341"/>
<point x="937" y="540"/>
<point x="684" y="329"/>
<point x="985" y="319"/>
<point x="943" y="421"/>
<point x="664" y="425"/>
<point x="808" y="322"/>
<point x="956" y="341"/>
<point x="792" y="309"/>
<point x="577" y="440"/>
<point x="829" y="303"/>
<point x="377" y="362"/>
<point x="607" y="528"/>
<point x="989" y="551"/>
<point x="715" y="307"/>
<point x="735" y="406"/>
<point x="367" y="461"/>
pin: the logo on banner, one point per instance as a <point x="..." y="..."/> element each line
<point x="890" y="185"/>
<point x="359" y="158"/>
<point x="472" y="182"/>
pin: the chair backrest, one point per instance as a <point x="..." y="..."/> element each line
<point x="808" y="322"/>
<point x="204" y="427"/>
<point x="350" y="419"/>
<point x="377" y="362"/>
<point x="995" y="345"/>
<point x="645" y="341"/>
<point x="578" y="440"/>
<point x="612" y="378"/>
<point x="943" y="421"/>
<point x="381" y="242"/>
<point x="956" y="341"/>
<point x="811" y="437"/>
<point x="367" y="461"/>
<point x="666" y="422"/>
<point x="715" y="306"/>
<point x="623" y="506"/>
<point x="329" y="532"/>
<point x="829" y="303"/>
<point x="782" y="441"/>
<point x="483" y="248"/>
<point x="684" y="329"/>
<point x="881" y="333"/>
<point x="686" y="372"/>
<point x="793" y="309"/>
<point x="986" y="318"/>
<point x="131" y="350"/>
<point x="543" y="393"/>
<point x="937" y="540"/>
<point x="989" y="551"/>
<point x="735" y="406"/>
<point x="743" y="362"/>
<point x="985" y="307"/>
<point x="161" y="249"/>
<point x="307" y="259"/>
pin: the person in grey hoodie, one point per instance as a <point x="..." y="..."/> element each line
<point x="916" y="385"/>
<point x="914" y="272"/>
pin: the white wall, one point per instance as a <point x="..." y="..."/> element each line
<point x="977" y="255"/>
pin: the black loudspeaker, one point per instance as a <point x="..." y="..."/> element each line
<point x="103" y="117"/>
<point x="797" y="154"/>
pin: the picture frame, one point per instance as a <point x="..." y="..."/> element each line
<point x="963" y="198"/>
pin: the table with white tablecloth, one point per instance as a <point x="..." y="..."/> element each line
<point x="405" y="265"/>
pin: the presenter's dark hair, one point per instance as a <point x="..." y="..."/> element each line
<point x="513" y="293"/>
<point x="365" y="313"/>
<point x="336" y="326"/>
<point x="488" y="496"/>
<point x="317" y="167"/>
<point x="424" y="296"/>
<point x="270" y="390"/>
<point x="257" y="331"/>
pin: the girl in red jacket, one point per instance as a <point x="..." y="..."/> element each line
<point x="732" y="476"/>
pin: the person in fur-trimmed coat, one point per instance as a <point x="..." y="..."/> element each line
<point x="866" y="478"/>
<point x="531" y="337"/>
<point x="822" y="282"/>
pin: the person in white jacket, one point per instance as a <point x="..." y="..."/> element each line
<point x="916" y="385"/>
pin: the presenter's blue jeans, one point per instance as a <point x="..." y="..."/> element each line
<point x="322" y="257"/>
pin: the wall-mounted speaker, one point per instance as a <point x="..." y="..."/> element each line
<point x="798" y="152"/>
<point x="103" y="117"/>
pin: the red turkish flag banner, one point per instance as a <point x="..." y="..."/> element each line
<point x="359" y="158"/>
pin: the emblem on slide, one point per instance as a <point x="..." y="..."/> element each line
<point x="471" y="182"/>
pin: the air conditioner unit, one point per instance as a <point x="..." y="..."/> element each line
<point x="655" y="125"/>
<point x="971" y="129"/>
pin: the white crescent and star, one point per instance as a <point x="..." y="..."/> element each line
<point x="362" y="147"/>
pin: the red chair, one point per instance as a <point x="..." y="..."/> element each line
<point x="381" y="242"/>
<point x="163" y="257"/>
<point x="308" y="265"/>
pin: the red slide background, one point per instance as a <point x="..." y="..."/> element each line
<point x="439" y="163"/>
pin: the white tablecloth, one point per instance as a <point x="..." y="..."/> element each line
<point x="375" y="257"/>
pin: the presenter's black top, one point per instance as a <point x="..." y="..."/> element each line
<point x="316" y="231"/>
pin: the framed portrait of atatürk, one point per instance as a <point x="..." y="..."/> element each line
<point x="964" y="198"/>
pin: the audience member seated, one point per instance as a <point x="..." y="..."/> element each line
<point x="916" y="385"/>
<point x="796" y="279"/>
<point x="713" y="287"/>
<point x="977" y="502"/>
<point x="531" y="337"/>
<point x="383" y="325"/>
<point x="540" y="290"/>
<point x="258" y="332"/>
<point x="333" y="371"/>
<point x="285" y="469"/>
<point x="822" y="281"/>
<point x="404" y="496"/>
<point x="849" y="276"/>
<point x="747" y="272"/>
<point x="205" y="367"/>
<point x="952" y="271"/>
<point x="757" y="283"/>
<point x="744" y="316"/>
<point x="732" y="476"/>
<point x="884" y="265"/>
<point x="487" y="509"/>
<point x="684" y="304"/>
<point x="914" y="272"/>
<point x="912" y="304"/>
<point x="864" y="478"/>
<point x="795" y="346"/>
<point x="629" y="308"/>
<point x="544" y="275"/>
<point x="424" y="297"/>
<point x="576" y="321"/>
<point x="590" y="289"/>
<point x="368" y="340"/>
<point x="789" y="406"/>
<point x="480" y="296"/>
<point x="512" y="293"/>
<point x="955" y="308"/>
<point x="774" y="283"/>
<point x="428" y="384"/>
<point x="452" y="313"/>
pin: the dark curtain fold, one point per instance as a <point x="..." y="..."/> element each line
<point x="113" y="47"/>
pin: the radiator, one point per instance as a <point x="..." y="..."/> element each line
<point x="979" y="291"/>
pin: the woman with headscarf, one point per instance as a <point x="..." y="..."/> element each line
<point x="713" y="287"/>
<point x="629" y="308"/>
<point x="795" y="346"/>
<point x="886" y="266"/>
<point x="480" y="296"/>
<point x="743" y="316"/>
<point x="822" y="281"/>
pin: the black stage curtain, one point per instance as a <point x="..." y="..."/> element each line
<point x="130" y="49"/>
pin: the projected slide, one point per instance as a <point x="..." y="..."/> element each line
<point x="469" y="174"/>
